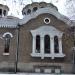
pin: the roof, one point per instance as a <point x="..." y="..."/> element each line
<point x="5" y="6"/>
<point x="12" y="22"/>
<point x="50" y="10"/>
<point x="8" y="23"/>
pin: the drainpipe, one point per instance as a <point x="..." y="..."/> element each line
<point x="17" y="49"/>
<point x="74" y="50"/>
<point x="73" y="70"/>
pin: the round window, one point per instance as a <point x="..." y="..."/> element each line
<point x="47" y="20"/>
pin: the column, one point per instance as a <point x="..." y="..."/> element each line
<point x="2" y="13"/>
<point x="42" y="47"/>
<point x="34" y="44"/>
<point x="60" y="45"/>
<point x="52" y="46"/>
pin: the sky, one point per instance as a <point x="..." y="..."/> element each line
<point x="16" y="6"/>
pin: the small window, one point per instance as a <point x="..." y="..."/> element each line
<point x="47" y="20"/>
<point x="29" y="11"/>
<point x="24" y="13"/>
<point x="34" y="9"/>
<point x="38" y="44"/>
<point x="47" y="44"/>
<point x="0" y="11"/>
<point x="7" y="43"/>
<point x="4" y="12"/>
<point x="56" y="45"/>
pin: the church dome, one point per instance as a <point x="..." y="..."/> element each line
<point x="31" y="8"/>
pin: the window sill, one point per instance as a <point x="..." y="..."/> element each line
<point x="6" y="54"/>
<point x="48" y="55"/>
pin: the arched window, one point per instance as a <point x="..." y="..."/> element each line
<point x="29" y="11"/>
<point x="24" y="13"/>
<point x="38" y="44"/>
<point x="56" y="45"/>
<point x="34" y="9"/>
<point x="7" y="43"/>
<point x="4" y="12"/>
<point x="0" y="11"/>
<point x="47" y="44"/>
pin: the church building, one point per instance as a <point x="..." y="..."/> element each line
<point x="42" y="42"/>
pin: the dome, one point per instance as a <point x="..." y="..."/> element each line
<point x="3" y="10"/>
<point x="31" y="8"/>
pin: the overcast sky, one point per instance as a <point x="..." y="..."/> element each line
<point x="17" y="5"/>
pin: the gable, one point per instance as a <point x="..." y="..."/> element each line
<point x="39" y="21"/>
<point x="43" y="11"/>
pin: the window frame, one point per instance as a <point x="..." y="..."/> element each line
<point x="51" y="31"/>
<point x="4" y="37"/>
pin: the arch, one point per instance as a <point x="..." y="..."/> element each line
<point x="56" y="44"/>
<point x="38" y="44"/>
<point x="47" y="44"/>
<point x="7" y="33"/>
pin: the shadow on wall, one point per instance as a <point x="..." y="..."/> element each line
<point x="9" y="70"/>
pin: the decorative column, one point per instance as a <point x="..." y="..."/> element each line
<point x="34" y="44"/>
<point x="2" y="13"/>
<point x="60" y="45"/>
<point x="52" y="46"/>
<point x="42" y="47"/>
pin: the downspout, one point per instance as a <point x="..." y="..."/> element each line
<point x="17" y="49"/>
<point x="74" y="50"/>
